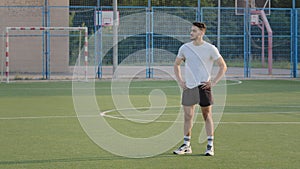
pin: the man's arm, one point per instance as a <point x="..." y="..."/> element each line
<point x="222" y="69"/>
<point x="177" y="72"/>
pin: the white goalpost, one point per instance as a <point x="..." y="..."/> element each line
<point x="7" y="45"/>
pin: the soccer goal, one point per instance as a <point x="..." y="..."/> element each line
<point x="38" y="52"/>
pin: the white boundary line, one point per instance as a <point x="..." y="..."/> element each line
<point x="119" y="117"/>
<point x="42" y="117"/>
<point x="162" y="121"/>
<point x="234" y="82"/>
<point x="105" y="113"/>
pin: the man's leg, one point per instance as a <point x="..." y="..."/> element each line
<point x="185" y="148"/>
<point x="189" y="112"/>
<point x="209" y="126"/>
<point x="207" y="116"/>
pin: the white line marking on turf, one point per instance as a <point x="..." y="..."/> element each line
<point x="119" y="117"/>
<point x="263" y="122"/>
<point x="166" y="121"/>
<point x="234" y="82"/>
<point x="43" y="117"/>
<point x="159" y="121"/>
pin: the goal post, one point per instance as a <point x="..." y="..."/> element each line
<point x="7" y="43"/>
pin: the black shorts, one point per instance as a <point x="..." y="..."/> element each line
<point x="197" y="95"/>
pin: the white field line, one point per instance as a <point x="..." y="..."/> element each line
<point x="119" y="117"/>
<point x="158" y="121"/>
<point x="98" y="88"/>
<point x="236" y="122"/>
<point x="42" y="117"/>
<point x="105" y="113"/>
<point x="234" y="82"/>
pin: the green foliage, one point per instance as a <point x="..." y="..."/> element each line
<point x="281" y="3"/>
<point x="71" y="18"/>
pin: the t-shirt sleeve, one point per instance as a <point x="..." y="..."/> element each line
<point x="180" y="52"/>
<point x="215" y="54"/>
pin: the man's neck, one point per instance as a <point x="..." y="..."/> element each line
<point x="198" y="42"/>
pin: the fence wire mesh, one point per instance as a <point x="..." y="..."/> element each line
<point x="151" y="37"/>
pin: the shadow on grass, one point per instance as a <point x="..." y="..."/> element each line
<point x="107" y="158"/>
<point x="61" y="160"/>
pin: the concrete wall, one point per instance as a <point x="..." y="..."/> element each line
<point x="26" y="51"/>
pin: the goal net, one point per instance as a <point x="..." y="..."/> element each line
<point x="33" y="53"/>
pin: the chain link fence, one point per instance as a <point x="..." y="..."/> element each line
<point x="147" y="37"/>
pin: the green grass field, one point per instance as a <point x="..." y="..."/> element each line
<point x="259" y="128"/>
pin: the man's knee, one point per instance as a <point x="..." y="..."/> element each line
<point x="188" y="113"/>
<point x="188" y="116"/>
<point x="206" y="112"/>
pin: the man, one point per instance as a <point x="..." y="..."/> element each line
<point x="199" y="57"/>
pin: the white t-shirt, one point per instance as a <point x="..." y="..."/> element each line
<point x="199" y="62"/>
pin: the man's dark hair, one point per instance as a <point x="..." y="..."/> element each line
<point x="200" y="25"/>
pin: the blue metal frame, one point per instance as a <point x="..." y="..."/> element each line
<point x="199" y="11"/>
<point x="294" y="38"/>
<point x="150" y="38"/>
<point x="43" y="43"/>
<point x="47" y="36"/>
<point x="98" y="45"/>
<point x="296" y="43"/>
<point x="149" y="41"/>
<point x="247" y="42"/>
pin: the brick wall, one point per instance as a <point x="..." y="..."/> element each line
<point x="26" y="51"/>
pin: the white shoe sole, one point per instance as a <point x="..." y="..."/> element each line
<point x="182" y="152"/>
<point x="209" y="154"/>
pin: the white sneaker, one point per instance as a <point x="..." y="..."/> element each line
<point x="209" y="151"/>
<point x="183" y="149"/>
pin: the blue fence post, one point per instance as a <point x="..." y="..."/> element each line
<point x="43" y="42"/>
<point x="47" y="40"/>
<point x="149" y="40"/>
<point x="98" y="41"/>
<point x="247" y="41"/>
<point x="296" y="43"/>
<point x="198" y="17"/>
<point x="294" y="36"/>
